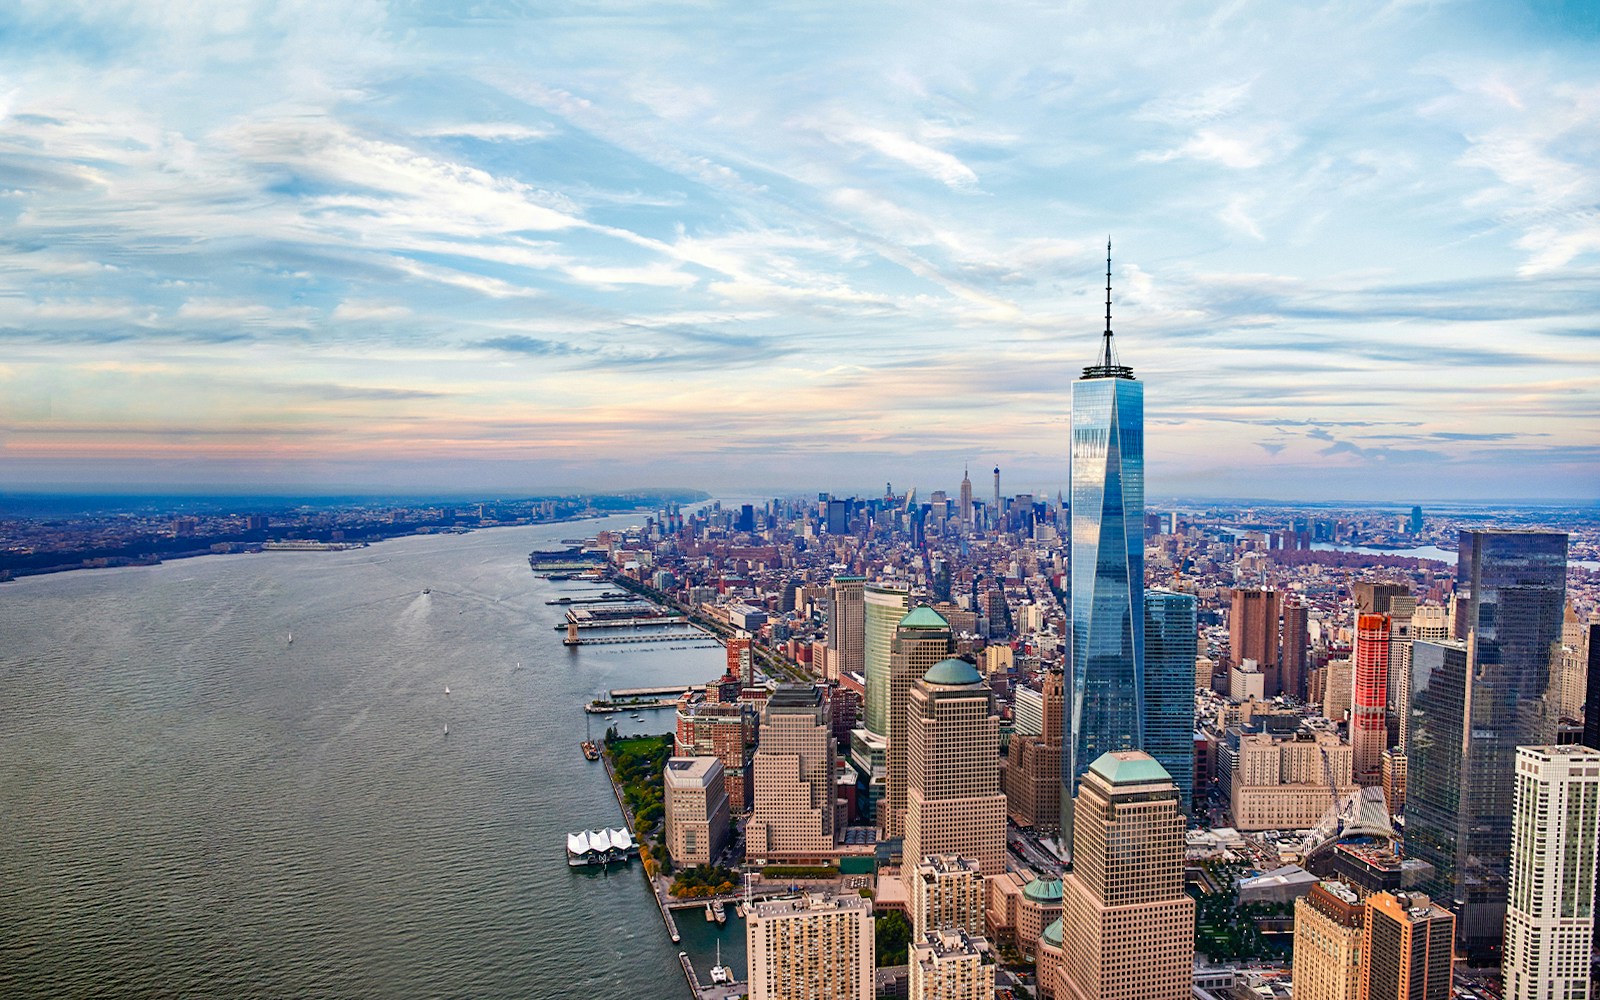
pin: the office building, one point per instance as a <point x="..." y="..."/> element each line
<point x="953" y="799"/>
<point x="1369" y="704"/>
<point x="1281" y="783"/>
<point x="1295" y="647"/>
<point x="883" y="607"/>
<point x="695" y="806"/>
<point x="1406" y="950"/>
<point x="1485" y="692"/>
<point x="1429" y="623"/>
<point x="793" y="817"/>
<point x="1377" y="598"/>
<point x="921" y="640"/>
<point x="950" y="965"/>
<point x="810" y="948"/>
<point x="1124" y="910"/>
<point x="847" y="626"/>
<point x="965" y="509"/>
<point x="946" y="892"/>
<point x="1338" y="683"/>
<point x="1169" y="646"/>
<point x="1555" y="843"/>
<point x="1253" y="635"/>
<point x="1328" y="931"/>
<point x="1591" y="697"/>
<point x="1105" y="627"/>
<point x="1033" y="763"/>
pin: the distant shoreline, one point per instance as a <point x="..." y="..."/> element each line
<point x="255" y="548"/>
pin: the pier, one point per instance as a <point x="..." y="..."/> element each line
<point x="601" y="640"/>
<point x="622" y="622"/>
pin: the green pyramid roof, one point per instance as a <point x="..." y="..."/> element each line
<point x="1129" y="767"/>
<point x="952" y="672"/>
<point x="924" y="617"/>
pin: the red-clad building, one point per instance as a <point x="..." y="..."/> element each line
<point x="726" y="731"/>
<point x="1369" y="699"/>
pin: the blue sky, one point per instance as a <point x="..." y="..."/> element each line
<point x="515" y="247"/>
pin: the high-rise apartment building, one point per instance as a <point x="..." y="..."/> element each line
<point x="695" y="806"/>
<point x="1124" y="910"/>
<point x="1295" y="646"/>
<point x="1369" y="698"/>
<point x="1169" y="647"/>
<point x="921" y="640"/>
<point x="1328" y="931"/>
<point x="1105" y="627"/>
<point x="883" y="606"/>
<point x="740" y="665"/>
<point x="847" y="626"/>
<point x="1407" y="950"/>
<point x="1033" y="763"/>
<point x="947" y="892"/>
<point x="810" y="948"/>
<point x="953" y="799"/>
<point x="725" y="730"/>
<point x="794" y="779"/>
<point x="1487" y="695"/>
<point x="1253" y="635"/>
<point x="950" y="965"/>
<point x="1555" y="845"/>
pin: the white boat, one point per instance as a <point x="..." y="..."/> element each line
<point x="721" y="975"/>
<point x="447" y="689"/>
<point x="447" y="729"/>
<point x="291" y="638"/>
<point x="719" y="911"/>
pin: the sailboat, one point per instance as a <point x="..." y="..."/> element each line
<point x="447" y="689"/>
<point x="291" y="638"/>
<point x="720" y="974"/>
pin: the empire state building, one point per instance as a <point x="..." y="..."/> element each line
<point x="1105" y="708"/>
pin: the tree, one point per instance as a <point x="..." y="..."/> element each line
<point x="892" y="938"/>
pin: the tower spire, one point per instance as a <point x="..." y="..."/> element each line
<point x="1107" y="366"/>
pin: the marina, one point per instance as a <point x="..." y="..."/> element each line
<point x="600" y="847"/>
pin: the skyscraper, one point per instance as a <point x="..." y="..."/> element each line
<point x="1555" y="845"/>
<point x="998" y="513"/>
<point x="953" y="799"/>
<point x="947" y="892"/>
<point x="810" y="948"/>
<point x="794" y="776"/>
<point x="1328" y="928"/>
<point x="847" y="626"/>
<point x="1169" y="647"/>
<point x="1253" y="635"/>
<point x="1123" y="906"/>
<point x="1369" y="735"/>
<point x="1033" y="771"/>
<point x="1105" y="630"/>
<point x="1296" y="639"/>
<point x="1406" y="953"/>
<point x="883" y="606"/>
<point x="1486" y="695"/>
<point x="966" y="499"/>
<point x="921" y="640"/>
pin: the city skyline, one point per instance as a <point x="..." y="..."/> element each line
<point x="356" y="249"/>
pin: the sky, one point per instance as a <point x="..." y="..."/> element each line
<point x="522" y="248"/>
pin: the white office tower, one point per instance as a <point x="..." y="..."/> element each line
<point x="1555" y="839"/>
<point x="810" y="948"/>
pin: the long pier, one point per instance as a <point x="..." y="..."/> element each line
<point x="599" y="640"/>
<point x="625" y="622"/>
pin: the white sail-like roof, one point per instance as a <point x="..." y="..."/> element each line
<point x="577" y="843"/>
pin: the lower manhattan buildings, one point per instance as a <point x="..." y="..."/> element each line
<point x="1127" y="923"/>
<point x="1555" y="842"/>
<point x="793" y="817"/>
<point x="811" y="947"/>
<point x="953" y="799"/>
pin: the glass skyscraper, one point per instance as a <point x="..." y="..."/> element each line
<point x="1474" y="700"/>
<point x="1105" y="708"/>
<point x="1169" y="655"/>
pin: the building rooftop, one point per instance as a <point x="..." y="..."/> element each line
<point x="1043" y="890"/>
<point x="953" y="671"/>
<point x="1128" y="767"/>
<point x="1052" y="934"/>
<point x="923" y="616"/>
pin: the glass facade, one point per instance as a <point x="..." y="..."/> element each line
<point x="884" y="607"/>
<point x="1169" y="655"/>
<point x="1105" y="708"/>
<point x="1473" y="702"/>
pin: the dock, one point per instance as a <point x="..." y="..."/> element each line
<point x="611" y="640"/>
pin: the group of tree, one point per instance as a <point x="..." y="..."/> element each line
<point x="705" y="880"/>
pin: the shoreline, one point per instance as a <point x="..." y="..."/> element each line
<point x="255" y="548"/>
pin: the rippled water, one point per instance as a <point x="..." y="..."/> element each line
<point x="192" y="805"/>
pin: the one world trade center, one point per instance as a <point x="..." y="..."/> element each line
<point x="1105" y="708"/>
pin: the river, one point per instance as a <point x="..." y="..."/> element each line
<point x="191" y="804"/>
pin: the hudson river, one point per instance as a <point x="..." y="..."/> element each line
<point x="193" y="805"/>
